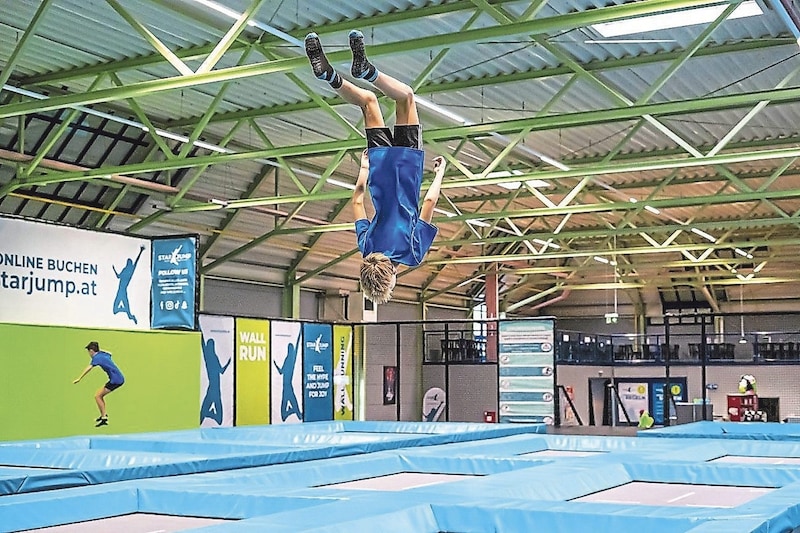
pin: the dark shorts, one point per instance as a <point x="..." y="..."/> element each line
<point x="409" y="136"/>
<point x="113" y="386"/>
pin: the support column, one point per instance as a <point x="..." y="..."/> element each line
<point x="291" y="297"/>
<point x="492" y="313"/>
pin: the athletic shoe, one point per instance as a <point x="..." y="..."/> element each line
<point x="319" y="62"/>
<point x="101" y="422"/>
<point x="361" y="67"/>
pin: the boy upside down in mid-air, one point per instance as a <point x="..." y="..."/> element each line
<point x="400" y="232"/>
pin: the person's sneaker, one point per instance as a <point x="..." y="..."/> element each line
<point x="319" y="62"/>
<point x="101" y="422"/>
<point x="99" y="418"/>
<point x="361" y="67"/>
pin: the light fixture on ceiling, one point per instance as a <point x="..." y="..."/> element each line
<point x="742" y="339"/>
<point x="704" y="234"/>
<point x="675" y="19"/>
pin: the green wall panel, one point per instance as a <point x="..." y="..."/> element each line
<point x="38" y="399"/>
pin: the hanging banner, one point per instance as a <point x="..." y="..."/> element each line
<point x="216" y="373"/>
<point x="317" y="373"/>
<point x="343" y="373"/>
<point x="63" y="276"/>
<point x="174" y="282"/>
<point x="526" y="362"/>
<point x="287" y="372"/>
<point x="252" y="371"/>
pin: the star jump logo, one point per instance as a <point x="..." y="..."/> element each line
<point x="317" y="345"/>
<point x="176" y="257"/>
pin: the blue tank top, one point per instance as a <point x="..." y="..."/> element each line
<point x="395" y="179"/>
<point x="103" y="360"/>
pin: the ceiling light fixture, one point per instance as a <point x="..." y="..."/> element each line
<point x="675" y="19"/>
<point x="704" y="234"/>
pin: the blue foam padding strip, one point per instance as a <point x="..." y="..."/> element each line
<point x="39" y="510"/>
<point x="729" y="430"/>
<point x="159" y="456"/>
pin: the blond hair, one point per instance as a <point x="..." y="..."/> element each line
<point x="378" y="276"/>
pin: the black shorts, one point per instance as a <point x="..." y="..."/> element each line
<point x="409" y="136"/>
<point x="113" y="386"/>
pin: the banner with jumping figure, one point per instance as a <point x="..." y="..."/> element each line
<point x="63" y="276"/>
<point x="287" y="372"/>
<point x="216" y="373"/>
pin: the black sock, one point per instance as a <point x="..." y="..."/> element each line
<point x="361" y="67"/>
<point x="319" y="63"/>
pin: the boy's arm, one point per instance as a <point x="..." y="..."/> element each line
<point x="361" y="187"/>
<point x="86" y="371"/>
<point x="432" y="196"/>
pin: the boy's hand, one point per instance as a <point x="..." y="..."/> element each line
<point x="438" y="163"/>
<point x="365" y="159"/>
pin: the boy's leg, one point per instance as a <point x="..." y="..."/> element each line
<point x="350" y="93"/>
<point x="398" y="91"/>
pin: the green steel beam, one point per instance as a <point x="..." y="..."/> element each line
<point x="275" y="231"/>
<point x="567" y="120"/>
<point x="552" y="175"/>
<point x="322" y="268"/>
<point x="30" y="31"/>
<point x="230" y="37"/>
<point x="619" y="252"/>
<point x="148" y="36"/>
<point x="201" y="52"/>
<point x="52" y="139"/>
<point x="537" y="26"/>
<point x="434" y="88"/>
<point x="233" y="215"/>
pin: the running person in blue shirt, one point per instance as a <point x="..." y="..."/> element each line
<point x="115" y="378"/>
<point x="400" y="232"/>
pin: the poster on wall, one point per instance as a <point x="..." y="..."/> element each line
<point x="174" y="282"/>
<point x="343" y="373"/>
<point x="526" y="362"/>
<point x="635" y="398"/>
<point x="389" y="385"/>
<point x="287" y="372"/>
<point x="252" y="371"/>
<point x="433" y="404"/>
<point x="317" y="373"/>
<point x="216" y="372"/>
<point x="677" y="388"/>
<point x="63" y="276"/>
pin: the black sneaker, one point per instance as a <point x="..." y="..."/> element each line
<point x="101" y="422"/>
<point x="99" y="418"/>
<point x="361" y="67"/>
<point x="319" y="62"/>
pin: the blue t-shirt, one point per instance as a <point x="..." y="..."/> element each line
<point x="395" y="179"/>
<point x="103" y="360"/>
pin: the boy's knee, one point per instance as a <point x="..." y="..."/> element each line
<point x="369" y="99"/>
<point x="407" y="98"/>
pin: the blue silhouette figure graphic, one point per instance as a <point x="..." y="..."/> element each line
<point x="433" y="414"/>
<point x="121" y="303"/>
<point x="212" y="402"/>
<point x="289" y="404"/>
